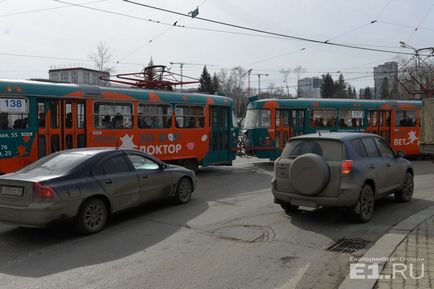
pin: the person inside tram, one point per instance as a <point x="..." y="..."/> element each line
<point x="197" y="123"/>
<point x="68" y="120"/>
<point x="155" y="122"/>
<point x="106" y="122"/>
<point x="354" y="122"/>
<point x="342" y="123"/>
<point x="4" y="122"/>
<point x="41" y="119"/>
<point x="117" y="121"/>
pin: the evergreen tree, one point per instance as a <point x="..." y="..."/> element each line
<point x="350" y="92"/>
<point x="150" y="73"/>
<point x="215" y="83"/>
<point x="367" y="93"/>
<point x="385" y="90"/>
<point x="340" y="87"/>
<point x="354" y="92"/>
<point x="327" y="89"/>
<point x="205" y="82"/>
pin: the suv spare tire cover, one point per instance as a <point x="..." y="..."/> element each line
<point x="309" y="174"/>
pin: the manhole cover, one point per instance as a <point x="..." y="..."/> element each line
<point x="348" y="245"/>
<point x="246" y="233"/>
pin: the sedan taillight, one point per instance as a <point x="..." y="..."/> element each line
<point x="346" y="167"/>
<point x="42" y="192"/>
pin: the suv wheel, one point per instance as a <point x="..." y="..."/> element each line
<point x="406" y="192"/>
<point x="288" y="207"/>
<point x="365" y="207"/>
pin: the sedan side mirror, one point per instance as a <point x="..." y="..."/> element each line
<point x="400" y="154"/>
<point x="163" y="166"/>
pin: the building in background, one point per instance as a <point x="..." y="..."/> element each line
<point x="383" y="72"/>
<point x="309" y="87"/>
<point x="79" y="75"/>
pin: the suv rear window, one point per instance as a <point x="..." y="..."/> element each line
<point x="330" y="150"/>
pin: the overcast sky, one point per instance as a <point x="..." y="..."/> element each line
<point x="61" y="35"/>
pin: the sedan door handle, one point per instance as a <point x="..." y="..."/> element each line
<point x="387" y="164"/>
<point x="372" y="166"/>
<point x="108" y="181"/>
<point x="144" y="177"/>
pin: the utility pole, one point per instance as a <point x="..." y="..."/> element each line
<point x="259" y="81"/>
<point x="181" y="65"/>
<point x="248" y="82"/>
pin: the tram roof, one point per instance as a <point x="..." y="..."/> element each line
<point x="329" y="103"/>
<point x="56" y="89"/>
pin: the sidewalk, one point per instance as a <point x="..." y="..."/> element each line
<point x="402" y="258"/>
<point x="415" y="257"/>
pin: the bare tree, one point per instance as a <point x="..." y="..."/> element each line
<point x="233" y="86"/>
<point x="285" y="73"/>
<point x="298" y="70"/>
<point x="102" y="56"/>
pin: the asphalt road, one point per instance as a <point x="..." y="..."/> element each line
<point x="230" y="235"/>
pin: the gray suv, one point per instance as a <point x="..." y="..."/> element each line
<point x="340" y="170"/>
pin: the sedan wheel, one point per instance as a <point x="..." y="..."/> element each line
<point x="183" y="191"/>
<point x="365" y="207"/>
<point x="92" y="217"/>
<point x="406" y="192"/>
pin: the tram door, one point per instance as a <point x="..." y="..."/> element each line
<point x="297" y="122"/>
<point x="289" y="123"/>
<point x="219" y="134"/>
<point x="282" y="127"/>
<point x="379" y="123"/>
<point x="73" y="124"/>
<point x="61" y="125"/>
<point x="49" y="128"/>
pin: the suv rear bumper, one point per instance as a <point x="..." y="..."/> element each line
<point x="348" y="197"/>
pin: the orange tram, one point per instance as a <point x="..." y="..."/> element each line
<point x="38" y="118"/>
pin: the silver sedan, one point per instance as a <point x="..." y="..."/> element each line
<point x="87" y="185"/>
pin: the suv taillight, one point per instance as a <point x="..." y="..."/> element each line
<point x="346" y="167"/>
<point x="42" y="192"/>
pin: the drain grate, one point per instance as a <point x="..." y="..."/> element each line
<point x="348" y="245"/>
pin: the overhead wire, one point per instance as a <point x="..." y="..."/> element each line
<point x="420" y="22"/>
<point x="47" y="9"/>
<point x="155" y="37"/>
<point x="268" y="32"/>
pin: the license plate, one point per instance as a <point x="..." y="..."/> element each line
<point x="12" y="191"/>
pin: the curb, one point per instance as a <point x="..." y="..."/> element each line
<point x="385" y="246"/>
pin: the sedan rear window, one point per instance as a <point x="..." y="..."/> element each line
<point x="329" y="149"/>
<point x="55" y="164"/>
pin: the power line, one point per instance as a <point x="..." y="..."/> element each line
<point x="405" y="25"/>
<point x="269" y="32"/>
<point x="155" y="37"/>
<point x="46" y="9"/>
<point x="420" y="22"/>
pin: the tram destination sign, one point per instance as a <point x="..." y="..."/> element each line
<point x="16" y="105"/>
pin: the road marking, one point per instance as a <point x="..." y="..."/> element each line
<point x="292" y="283"/>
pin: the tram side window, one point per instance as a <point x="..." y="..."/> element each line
<point x="155" y="116"/>
<point x="14" y="113"/>
<point x="113" y="115"/>
<point x="41" y="114"/>
<point x="323" y="118"/>
<point x="190" y="116"/>
<point x="405" y="118"/>
<point x="350" y="118"/>
<point x="257" y="118"/>
<point x="80" y="115"/>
